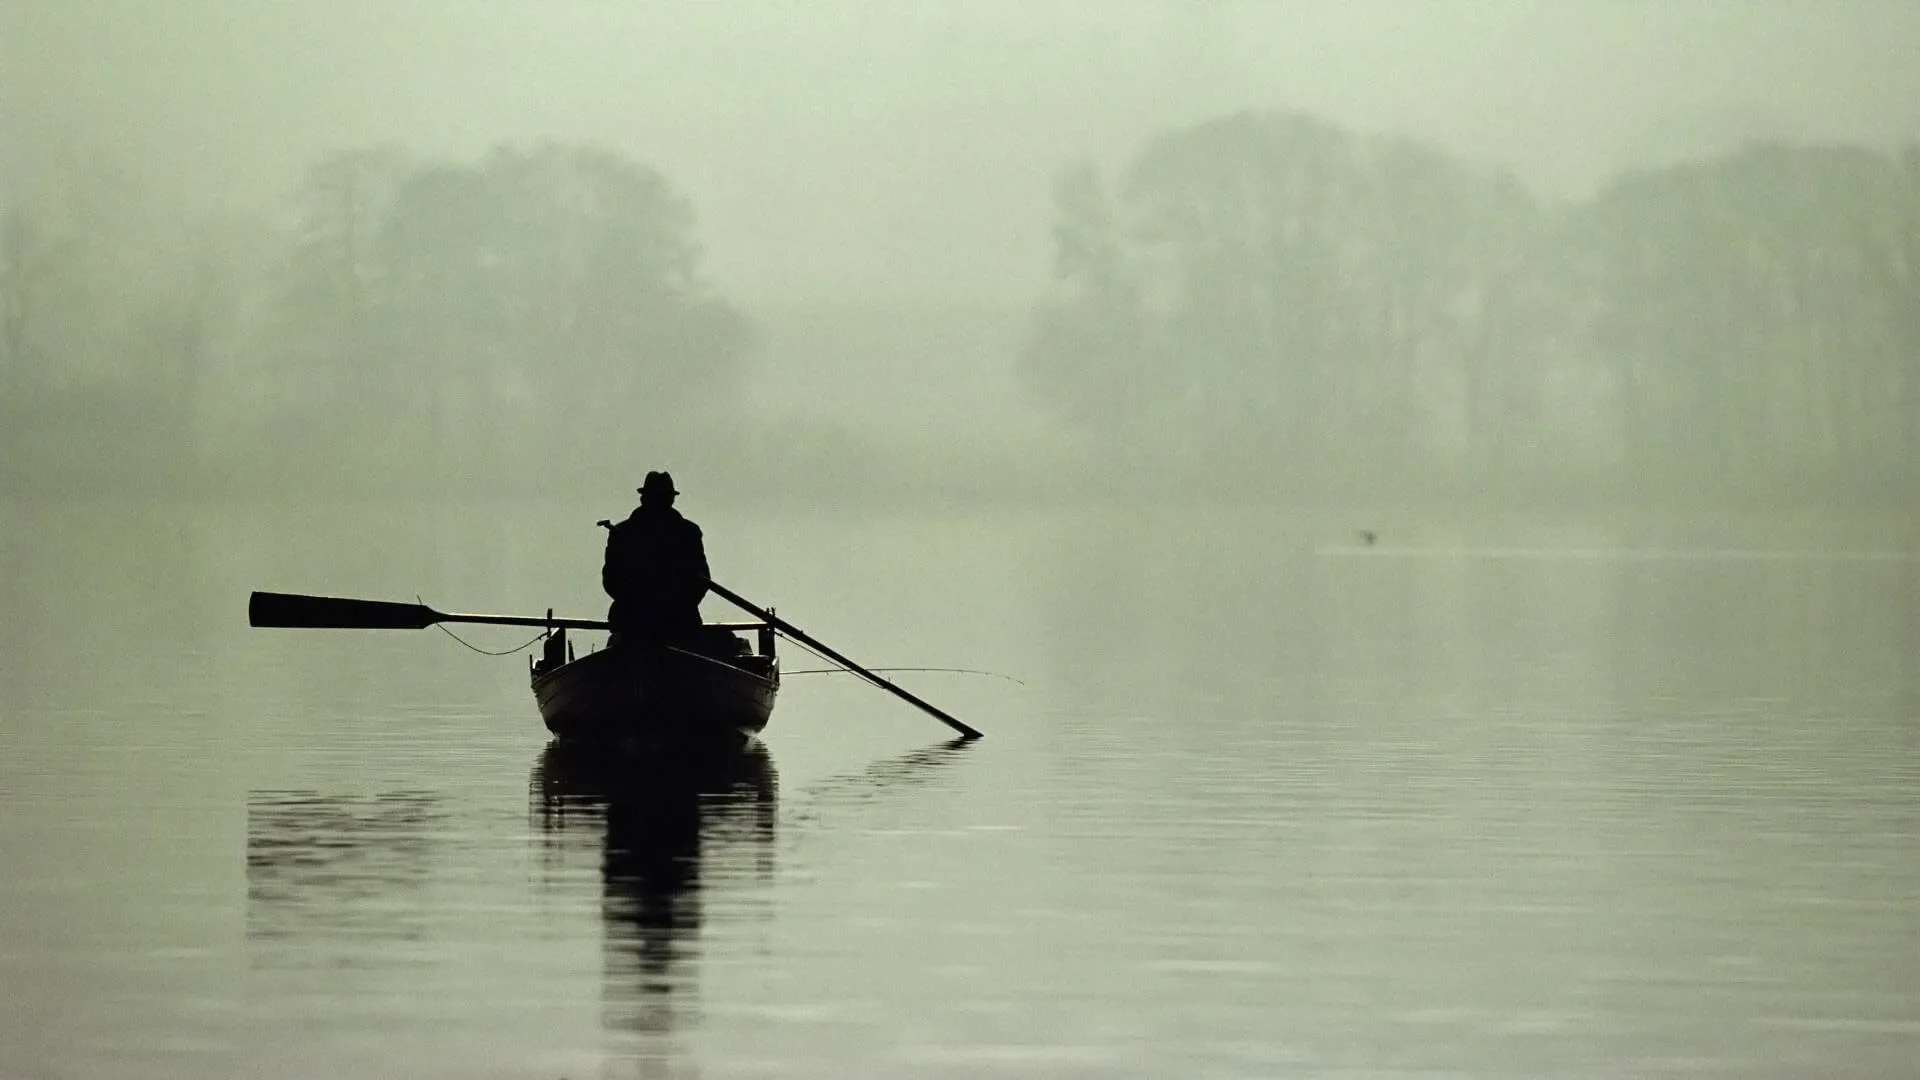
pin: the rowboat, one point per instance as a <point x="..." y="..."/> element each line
<point x="711" y="689"/>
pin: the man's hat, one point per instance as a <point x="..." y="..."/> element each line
<point x="658" y="483"/>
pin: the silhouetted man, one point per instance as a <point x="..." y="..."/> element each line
<point x="655" y="569"/>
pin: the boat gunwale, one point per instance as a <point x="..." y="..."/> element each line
<point x="771" y="684"/>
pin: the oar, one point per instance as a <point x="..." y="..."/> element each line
<point x="804" y="638"/>
<point x="342" y="613"/>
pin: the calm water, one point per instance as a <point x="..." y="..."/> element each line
<point x="1503" y="802"/>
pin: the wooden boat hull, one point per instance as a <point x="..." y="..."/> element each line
<point x="656" y="694"/>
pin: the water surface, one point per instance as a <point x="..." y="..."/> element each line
<point x="1270" y="801"/>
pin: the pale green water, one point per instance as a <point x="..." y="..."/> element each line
<point x="1577" y="803"/>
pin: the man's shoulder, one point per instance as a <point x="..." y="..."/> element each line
<point x="664" y="517"/>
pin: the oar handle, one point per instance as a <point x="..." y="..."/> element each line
<point x="804" y="638"/>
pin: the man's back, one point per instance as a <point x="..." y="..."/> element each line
<point x="655" y="571"/>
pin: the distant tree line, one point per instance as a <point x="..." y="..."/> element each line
<point x="1264" y="295"/>
<point x="1337" y="306"/>
<point x="453" y="323"/>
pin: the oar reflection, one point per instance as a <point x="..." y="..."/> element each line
<point x="330" y="868"/>
<point x="907" y="770"/>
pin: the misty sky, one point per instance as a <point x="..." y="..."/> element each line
<point x="903" y="151"/>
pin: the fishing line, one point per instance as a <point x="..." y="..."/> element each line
<point x="483" y="652"/>
<point x="530" y="642"/>
<point x="833" y="670"/>
<point x="850" y="671"/>
<point x="816" y="653"/>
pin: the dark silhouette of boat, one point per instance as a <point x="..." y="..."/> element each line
<point x="712" y="688"/>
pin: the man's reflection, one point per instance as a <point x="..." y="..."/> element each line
<point x="663" y="824"/>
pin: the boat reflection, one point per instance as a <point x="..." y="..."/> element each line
<point x="667" y="830"/>
<point x="675" y="840"/>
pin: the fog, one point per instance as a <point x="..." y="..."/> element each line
<point x="1553" y="249"/>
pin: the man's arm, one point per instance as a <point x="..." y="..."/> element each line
<point x="697" y="562"/>
<point x="611" y="568"/>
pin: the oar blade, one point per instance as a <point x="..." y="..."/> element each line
<point x="336" y="612"/>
